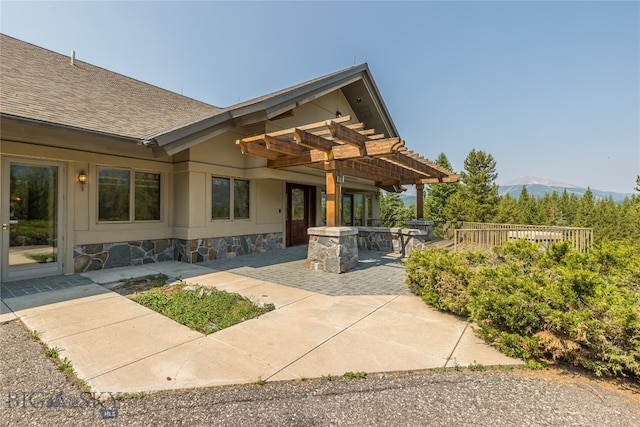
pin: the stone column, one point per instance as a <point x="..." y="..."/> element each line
<point x="332" y="249"/>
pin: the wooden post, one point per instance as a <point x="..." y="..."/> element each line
<point x="334" y="193"/>
<point x="420" y="200"/>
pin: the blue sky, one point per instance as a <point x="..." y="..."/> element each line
<point x="550" y="89"/>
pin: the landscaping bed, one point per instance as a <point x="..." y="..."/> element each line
<point x="204" y="309"/>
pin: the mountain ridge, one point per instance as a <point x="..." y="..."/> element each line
<point x="538" y="187"/>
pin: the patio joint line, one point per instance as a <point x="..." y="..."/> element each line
<point x="457" y="344"/>
<point x="146" y="357"/>
<point x="102" y="326"/>
<point x="331" y="337"/>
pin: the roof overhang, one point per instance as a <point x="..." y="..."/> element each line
<point x="356" y="82"/>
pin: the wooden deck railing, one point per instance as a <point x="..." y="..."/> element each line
<point x="475" y="234"/>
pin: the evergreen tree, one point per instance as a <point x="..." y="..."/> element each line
<point x="507" y="212"/>
<point x="478" y="197"/>
<point x="528" y="208"/>
<point x="605" y="221"/>
<point x="585" y="212"/>
<point x="393" y="212"/>
<point x="568" y="206"/>
<point x="438" y="194"/>
<point x="456" y="207"/>
<point x="551" y="213"/>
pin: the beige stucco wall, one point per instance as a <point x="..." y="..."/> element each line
<point x="79" y="207"/>
<point x="221" y="157"/>
<point x="185" y="179"/>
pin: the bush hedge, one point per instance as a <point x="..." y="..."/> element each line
<point x="535" y="303"/>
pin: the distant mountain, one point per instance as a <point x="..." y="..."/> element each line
<point x="532" y="180"/>
<point x="538" y="187"/>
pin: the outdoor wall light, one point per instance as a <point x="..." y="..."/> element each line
<point x="82" y="179"/>
<point x="340" y="179"/>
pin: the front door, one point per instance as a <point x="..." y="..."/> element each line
<point x="31" y="213"/>
<point x="300" y="213"/>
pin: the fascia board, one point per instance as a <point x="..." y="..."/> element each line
<point x="261" y="110"/>
<point x="186" y="131"/>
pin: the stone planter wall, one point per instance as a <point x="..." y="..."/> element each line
<point x="122" y="254"/>
<point x="332" y="249"/>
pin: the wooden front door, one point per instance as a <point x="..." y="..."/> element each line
<point x="301" y="213"/>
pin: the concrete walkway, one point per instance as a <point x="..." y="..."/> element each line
<point x="324" y="324"/>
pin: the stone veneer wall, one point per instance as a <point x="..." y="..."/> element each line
<point x="398" y="240"/>
<point x="198" y="250"/>
<point x="122" y="254"/>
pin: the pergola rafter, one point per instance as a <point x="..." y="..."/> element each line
<point x="341" y="148"/>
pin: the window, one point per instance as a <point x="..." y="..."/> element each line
<point x="221" y="198"/>
<point x="240" y="199"/>
<point x="120" y="190"/>
<point x="147" y="196"/>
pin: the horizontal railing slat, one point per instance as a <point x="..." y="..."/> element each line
<point x="488" y="234"/>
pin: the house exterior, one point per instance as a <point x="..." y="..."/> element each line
<point x="98" y="170"/>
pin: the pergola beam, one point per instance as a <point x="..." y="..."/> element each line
<point x="371" y="148"/>
<point x="310" y="140"/>
<point x="305" y="159"/>
<point x="348" y="136"/>
<point x="291" y="130"/>
<point x="282" y="146"/>
<point x="259" y="150"/>
<point x="449" y="178"/>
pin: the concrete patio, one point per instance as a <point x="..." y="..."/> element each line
<point x="324" y="324"/>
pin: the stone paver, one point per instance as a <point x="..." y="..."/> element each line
<point x="43" y="284"/>
<point x="376" y="273"/>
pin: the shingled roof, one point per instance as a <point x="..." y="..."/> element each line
<point x="41" y="85"/>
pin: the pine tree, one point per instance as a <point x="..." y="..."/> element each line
<point x="584" y="214"/>
<point x="528" y="208"/>
<point x="393" y="212"/>
<point x="605" y="221"/>
<point x="479" y="186"/>
<point x="568" y="206"/>
<point x="438" y="194"/>
<point x="507" y="212"/>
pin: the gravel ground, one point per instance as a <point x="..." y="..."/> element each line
<point x="35" y="394"/>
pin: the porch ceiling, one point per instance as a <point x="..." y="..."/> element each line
<point x="339" y="145"/>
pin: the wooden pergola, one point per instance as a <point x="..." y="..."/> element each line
<point x="342" y="149"/>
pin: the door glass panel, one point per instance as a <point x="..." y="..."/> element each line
<point x="33" y="209"/>
<point x="347" y="209"/>
<point x="358" y="210"/>
<point x="297" y="204"/>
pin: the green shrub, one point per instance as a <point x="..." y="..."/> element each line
<point x="534" y="303"/>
